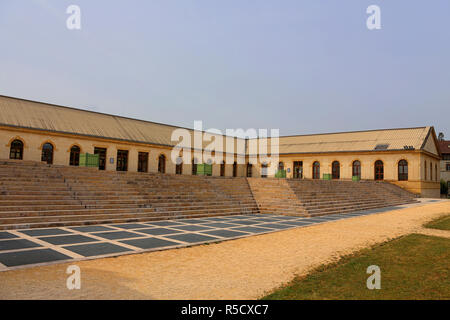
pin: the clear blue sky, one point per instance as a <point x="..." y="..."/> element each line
<point x="301" y="66"/>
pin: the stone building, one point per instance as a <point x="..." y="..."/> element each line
<point x="30" y="130"/>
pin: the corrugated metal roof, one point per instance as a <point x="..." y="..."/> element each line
<point x="42" y="116"/>
<point x="389" y="139"/>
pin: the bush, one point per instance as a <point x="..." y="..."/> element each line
<point x="444" y="187"/>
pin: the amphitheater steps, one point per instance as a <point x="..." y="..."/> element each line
<point x="37" y="195"/>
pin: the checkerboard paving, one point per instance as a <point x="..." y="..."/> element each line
<point x="25" y="248"/>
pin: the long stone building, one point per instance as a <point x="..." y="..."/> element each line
<point x="29" y="130"/>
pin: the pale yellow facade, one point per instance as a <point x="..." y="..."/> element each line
<point x="34" y="124"/>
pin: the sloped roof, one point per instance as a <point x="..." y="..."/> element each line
<point x="356" y="141"/>
<point x="36" y="115"/>
<point x="41" y="116"/>
<point x="444" y="146"/>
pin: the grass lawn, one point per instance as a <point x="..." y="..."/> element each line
<point x="442" y="223"/>
<point x="412" y="267"/>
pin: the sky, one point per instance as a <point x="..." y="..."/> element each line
<point x="299" y="66"/>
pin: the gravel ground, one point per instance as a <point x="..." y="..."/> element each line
<point x="238" y="269"/>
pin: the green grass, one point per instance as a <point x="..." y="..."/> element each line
<point x="412" y="267"/>
<point x="442" y="223"/>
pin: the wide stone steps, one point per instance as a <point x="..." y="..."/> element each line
<point x="39" y="195"/>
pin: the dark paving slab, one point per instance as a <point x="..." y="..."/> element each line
<point x="164" y="223"/>
<point x="276" y="226"/>
<point x="315" y="220"/>
<point x="96" y="249"/>
<point x="298" y="223"/>
<point x="253" y="229"/>
<point x="193" y="221"/>
<point x="7" y="235"/>
<point x="284" y="218"/>
<point x="158" y="231"/>
<point x="220" y="225"/>
<point x="17" y="244"/>
<point x="225" y="233"/>
<point x="92" y="229"/>
<point x="245" y="222"/>
<point x="13" y="259"/>
<point x="192" y="228"/>
<point x="114" y="235"/>
<point x="240" y="217"/>
<point x="150" y="243"/>
<point x="70" y="239"/>
<point x="327" y="218"/>
<point x="191" y="237"/>
<point x="260" y="215"/>
<point x="130" y="225"/>
<point x="44" y="232"/>
<point x="216" y="219"/>
<point x="265" y="219"/>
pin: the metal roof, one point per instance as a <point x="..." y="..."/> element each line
<point x="41" y="116"/>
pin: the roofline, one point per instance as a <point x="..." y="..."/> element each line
<point x="224" y="135"/>
<point x="353" y="131"/>
<point x="110" y="115"/>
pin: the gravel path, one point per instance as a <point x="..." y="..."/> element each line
<point x="238" y="269"/>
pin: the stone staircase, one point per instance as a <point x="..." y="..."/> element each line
<point x="275" y="196"/>
<point x="320" y="197"/>
<point x="34" y="194"/>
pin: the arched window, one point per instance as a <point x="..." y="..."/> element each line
<point x="356" y="169"/>
<point x="335" y="170"/>
<point x="16" y="150"/>
<point x="179" y="166"/>
<point x="249" y="170"/>
<point x="281" y="165"/>
<point x="162" y="164"/>
<point x="222" y="169"/>
<point x="402" y="170"/>
<point x="194" y="166"/>
<point x="316" y="170"/>
<point x="235" y="169"/>
<point x="379" y="170"/>
<point x="47" y="153"/>
<point x="74" y="156"/>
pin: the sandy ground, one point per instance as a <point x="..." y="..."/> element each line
<point x="238" y="269"/>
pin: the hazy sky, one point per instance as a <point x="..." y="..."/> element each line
<point x="301" y="66"/>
